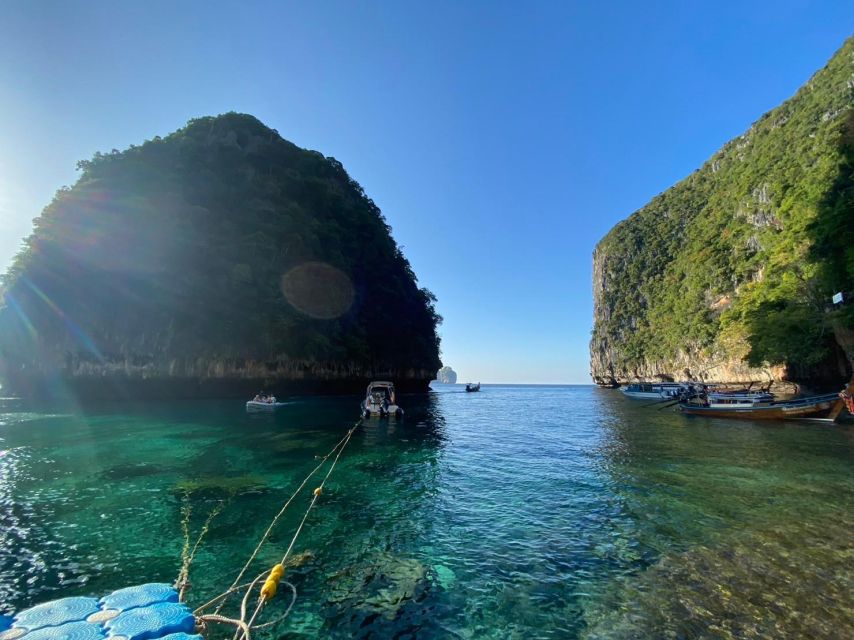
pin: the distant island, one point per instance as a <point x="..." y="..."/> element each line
<point x="218" y="260"/>
<point x="446" y="375"/>
<point x="729" y="274"/>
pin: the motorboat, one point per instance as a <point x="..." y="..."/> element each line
<point x="264" y="403"/>
<point x="381" y="401"/>
<point x="471" y="386"/>
<point x="653" y="390"/>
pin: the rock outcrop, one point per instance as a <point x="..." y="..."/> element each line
<point x="446" y="375"/>
<point x="215" y="261"/>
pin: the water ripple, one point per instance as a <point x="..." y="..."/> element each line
<point x="518" y="512"/>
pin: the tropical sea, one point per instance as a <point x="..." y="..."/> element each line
<point x="516" y="512"/>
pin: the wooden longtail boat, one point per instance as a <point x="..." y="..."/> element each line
<point x="830" y="404"/>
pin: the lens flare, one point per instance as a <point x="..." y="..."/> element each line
<point x="85" y="341"/>
<point x="318" y="290"/>
<point x="25" y="321"/>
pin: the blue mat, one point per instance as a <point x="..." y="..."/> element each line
<point x="142" y="612"/>
<point x="55" y="613"/>
<point x="155" y="621"/>
<point x="139" y="596"/>
<point x="68" y="631"/>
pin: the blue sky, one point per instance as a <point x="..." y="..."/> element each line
<point x="501" y="140"/>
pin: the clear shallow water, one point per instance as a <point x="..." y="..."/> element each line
<point x="518" y="512"/>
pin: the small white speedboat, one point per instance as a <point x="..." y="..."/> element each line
<point x="380" y="400"/>
<point x="264" y="405"/>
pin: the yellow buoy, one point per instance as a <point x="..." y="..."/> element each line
<point x="271" y="584"/>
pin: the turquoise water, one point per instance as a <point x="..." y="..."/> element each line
<point x="518" y="512"/>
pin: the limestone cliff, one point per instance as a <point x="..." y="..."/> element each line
<point x="727" y="275"/>
<point x="216" y="260"/>
<point x="446" y="375"/>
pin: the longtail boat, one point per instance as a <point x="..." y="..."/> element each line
<point x="761" y="407"/>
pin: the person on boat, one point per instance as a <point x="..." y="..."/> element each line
<point x="271" y="399"/>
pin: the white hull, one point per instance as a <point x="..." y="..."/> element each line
<point x="380" y="401"/>
<point x="264" y="406"/>
<point x="652" y="395"/>
<point x="653" y="390"/>
<point x="377" y="410"/>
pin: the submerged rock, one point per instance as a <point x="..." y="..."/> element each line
<point x="445" y="577"/>
<point x="129" y="471"/>
<point x="299" y="559"/>
<point x="381" y="585"/>
<point x="787" y="581"/>
<point x="219" y="486"/>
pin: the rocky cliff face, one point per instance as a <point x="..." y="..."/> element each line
<point x="446" y="375"/>
<point x="610" y="367"/>
<point x="215" y="261"/>
<point x="725" y="276"/>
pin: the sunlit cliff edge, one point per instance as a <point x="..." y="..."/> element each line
<point x="728" y="275"/>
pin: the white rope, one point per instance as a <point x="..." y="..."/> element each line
<point x="244" y="628"/>
<point x="281" y="512"/>
<point x="262" y="601"/>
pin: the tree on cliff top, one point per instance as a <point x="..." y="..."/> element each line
<point x="221" y="240"/>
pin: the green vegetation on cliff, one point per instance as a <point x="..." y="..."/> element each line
<point x="739" y="260"/>
<point x="221" y="242"/>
